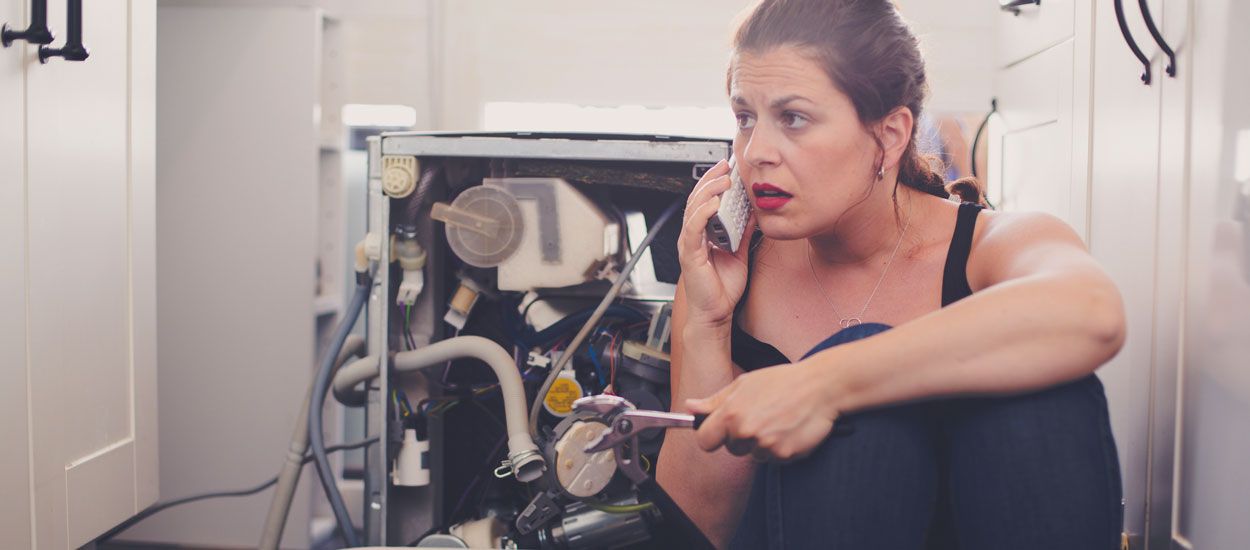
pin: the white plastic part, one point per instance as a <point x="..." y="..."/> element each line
<point x="583" y="474"/>
<point x="410" y="288"/>
<point x="481" y="533"/>
<point x="577" y="228"/>
<point x="399" y="175"/>
<point x="538" y="360"/>
<point x="462" y="303"/>
<point x="373" y="247"/>
<point x="408" y="253"/>
<point x="483" y="224"/>
<point x="409" y="469"/>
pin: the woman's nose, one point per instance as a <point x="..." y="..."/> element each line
<point x="759" y="149"/>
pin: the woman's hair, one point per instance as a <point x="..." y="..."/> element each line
<point x="871" y="55"/>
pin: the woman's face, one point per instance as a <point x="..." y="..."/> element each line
<point x="800" y="138"/>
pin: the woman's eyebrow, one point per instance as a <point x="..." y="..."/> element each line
<point x="775" y="104"/>
<point x="782" y="101"/>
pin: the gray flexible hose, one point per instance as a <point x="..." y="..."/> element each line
<point x="613" y="292"/>
<point x="321" y="385"/>
<point x="288" y="478"/>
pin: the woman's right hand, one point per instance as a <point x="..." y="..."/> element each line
<point x="713" y="279"/>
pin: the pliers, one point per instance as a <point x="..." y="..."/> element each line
<point x="625" y="422"/>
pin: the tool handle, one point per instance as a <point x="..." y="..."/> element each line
<point x="840" y="428"/>
<point x="698" y="420"/>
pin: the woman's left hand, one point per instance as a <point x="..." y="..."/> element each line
<point x="779" y="413"/>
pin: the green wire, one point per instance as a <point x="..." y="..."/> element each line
<point x="407" y="316"/>
<point x="620" y="509"/>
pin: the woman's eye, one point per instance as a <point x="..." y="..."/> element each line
<point x="745" y="121"/>
<point x="793" y="120"/>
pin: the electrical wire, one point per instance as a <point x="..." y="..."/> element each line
<point x="612" y="360"/>
<point x="161" y="506"/>
<point x="409" y="339"/>
<point x="620" y="508"/>
<point x="594" y="359"/>
<point x="598" y="313"/>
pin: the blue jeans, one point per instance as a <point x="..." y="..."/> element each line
<point x="1029" y="472"/>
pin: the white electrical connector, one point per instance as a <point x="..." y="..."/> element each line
<point x="411" y="258"/>
<point x="538" y="360"/>
<point x="410" y="287"/>
<point x="410" y="470"/>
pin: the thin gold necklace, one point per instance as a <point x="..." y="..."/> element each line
<point x="857" y="319"/>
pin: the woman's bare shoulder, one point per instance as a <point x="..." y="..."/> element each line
<point x="1008" y="244"/>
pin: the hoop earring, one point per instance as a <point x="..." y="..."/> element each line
<point x="881" y="172"/>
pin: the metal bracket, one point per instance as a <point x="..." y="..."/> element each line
<point x="548" y="218"/>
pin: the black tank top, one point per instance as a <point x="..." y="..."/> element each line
<point x="750" y="353"/>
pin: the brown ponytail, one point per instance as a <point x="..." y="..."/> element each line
<point x="968" y="191"/>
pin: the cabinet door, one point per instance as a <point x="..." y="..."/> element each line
<point x="1124" y="220"/>
<point x="1036" y="28"/>
<point x="14" y="451"/>
<point x="90" y="276"/>
<point x="1031" y="146"/>
<point x="1174" y="141"/>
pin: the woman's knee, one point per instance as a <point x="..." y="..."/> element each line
<point x="873" y="488"/>
<point x="1040" y="467"/>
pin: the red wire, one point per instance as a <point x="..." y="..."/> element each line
<point x="612" y="360"/>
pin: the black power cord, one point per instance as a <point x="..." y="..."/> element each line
<point x="161" y="506"/>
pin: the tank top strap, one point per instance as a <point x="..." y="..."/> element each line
<point x="955" y="276"/>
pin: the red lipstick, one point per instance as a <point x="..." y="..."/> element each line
<point x="768" y="196"/>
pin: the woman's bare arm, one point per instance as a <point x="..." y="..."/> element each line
<point x="1045" y="313"/>
<point x="710" y="487"/>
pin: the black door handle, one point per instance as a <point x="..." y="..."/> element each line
<point x="73" y="49"/>
<point x="976" y="143"/>
<point x="36" y="33"/>
<point x="1013" y="6"/>
<point x="1154" y="32"/>
<point x="1132" y="44"/>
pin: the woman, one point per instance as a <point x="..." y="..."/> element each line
<point x="975" y="421"/>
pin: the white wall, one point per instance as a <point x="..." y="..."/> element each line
<point x="653" y="53"/>
<point x="957" y="39"/>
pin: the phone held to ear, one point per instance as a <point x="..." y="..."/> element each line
<point x="726" y="227"/>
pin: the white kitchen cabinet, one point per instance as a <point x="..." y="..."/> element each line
<point x="1031" y="149"/>
<point x="78" y="322"/>
<point x="1123" y="222"/>
<point x="1039" y="143"/>
<point x="1082" y="137"/>
<point x="1213" y="444"/>
<point x="14" y="411"/>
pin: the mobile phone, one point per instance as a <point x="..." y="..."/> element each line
<point x="727" y="225"/>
